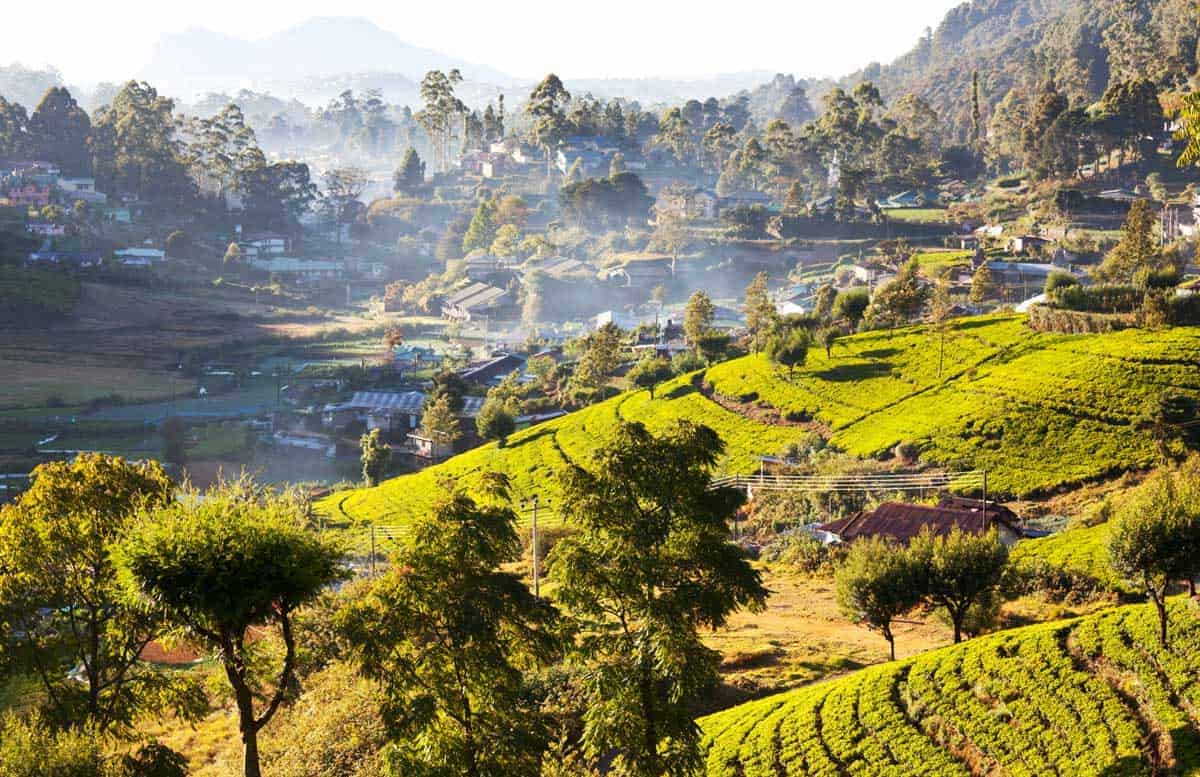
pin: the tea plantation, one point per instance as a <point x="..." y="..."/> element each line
<point x="1086" y="697"/>
<point x="1037" y="411"/>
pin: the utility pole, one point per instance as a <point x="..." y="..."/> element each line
<point x="533" y="546"/>
<point x="372" y="551"/>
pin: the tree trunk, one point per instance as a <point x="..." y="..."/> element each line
<point x="650" y="743"/>
<point x="249" y="731"/>
<point x="891" y="640"/>
<point x="1160" y="604"/>
<point x="957" y="618"/>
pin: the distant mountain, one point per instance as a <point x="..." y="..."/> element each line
<point x="190" y="63"/>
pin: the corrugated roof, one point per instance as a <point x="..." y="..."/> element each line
<point x="903" y="521"/>
<point x="466" y="293"/>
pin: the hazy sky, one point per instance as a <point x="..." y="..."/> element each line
<point x="92" y="41"/>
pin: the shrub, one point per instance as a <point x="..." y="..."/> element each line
<point x="803" y="552"/>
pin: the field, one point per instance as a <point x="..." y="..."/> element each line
<point x="916" y="215"/>
<point x="1094" y="696"/>
<point x="1039" y="412"/>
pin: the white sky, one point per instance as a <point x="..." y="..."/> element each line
<point x="94" y="41"/>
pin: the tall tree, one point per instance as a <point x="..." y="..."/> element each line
<point x="789" y="348"/>
<point x="760" y="312"/>
<point x="135" y="147"/>
<point x="547" y="108"/>
<point x="224" y="564"/>
<point x="60" y="131"/>
<point x="1138" y="248"/>
<point x="449" y="635"/>
<point x="376" y="455"/>
<point x="697" y="317"/>
<point x="340" y="200"/>
<point x="482" y="230"/>
<point x="439" y="115"/>
<point x="650" y="568"/>
<point x="60" y="598"/>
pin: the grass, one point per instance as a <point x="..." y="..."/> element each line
<point x="1090" y="696"/>
<point x="933" y="261"/>
<point x="1039" y="412"/>
<point x="917" y="215"/>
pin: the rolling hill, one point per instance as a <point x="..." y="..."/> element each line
<point x="1037" y="411"/>
<point x="1093" y="696"/>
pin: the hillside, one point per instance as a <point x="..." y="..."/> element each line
<point x="1038" y="411"/>
<point x="1095" y="696"/>
<point x="1085" y="44"/>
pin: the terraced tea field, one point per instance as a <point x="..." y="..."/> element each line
<point x="1094" y="696"/>
<point x="1038" y="411"/>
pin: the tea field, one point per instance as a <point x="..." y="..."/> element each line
<point x="1039" y="412"/>
<point x="1092" y="696"/>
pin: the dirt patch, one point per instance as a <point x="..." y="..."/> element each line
<point x="758" y="411"/>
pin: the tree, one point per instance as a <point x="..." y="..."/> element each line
<point x="1155" y="536"/>
<point x="495" y="420"/>
<point x="448" y="635"/>
<point x="1137" y="249"/>
<point x="827" y="337"/>
<point x="789" y="348"/>
<point x="899" y="300"/>
<point x="482" y="230"/>
<point x="958" y="570"/>
<point x="697" y="317"/>
<point x="601" y="356"/>
<point x="547" y="108"/>
<point x="410" y="176"/>
<point x="507" y="241"/>
<point x="60" y="131"/>
<point x="440" y="423"/>
<point x="61" y="601"/>
<point x="713" y="345"/>
<point x="940" y="306"/>
<point x="233" y="254"/>
<point x="178" y="244"/>
<point x="220" y="565"/>
<point x="825" y="298"/>
<point x="376" y="455"/>
<point x="649" y="568"/>
<point x="173" y="431"/>
<point x="761" y="315"/>
<point x="876" y="584"/>
<point x="135" y="147"/>
<point x="617" y="165"/>
<point x="982" y="285"/>
<point x="649" y="372"/>
<point x="850" y="305"/>
<point x="276" y="195"/>
<point x="343" y="188"/>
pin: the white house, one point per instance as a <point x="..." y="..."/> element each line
<point x="80" y="189"/>
<point x="300" y="270"/>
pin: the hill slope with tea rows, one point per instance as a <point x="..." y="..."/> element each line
<point x="1037" y="411"/>
<point x="1095" y="696"/>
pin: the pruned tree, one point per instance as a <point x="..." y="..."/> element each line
<point x="649" y="372"/>
<point x="876" y="584"/>
<point x="958" y="571"/>
<point x="789" y="348"/>
<point x="376" y="456"/>
<point x="220" y="565"/>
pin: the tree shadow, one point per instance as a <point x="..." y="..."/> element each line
<point x="845" y="373"/>
<point x="679" y="391"/>
<point x="878" y="353"/>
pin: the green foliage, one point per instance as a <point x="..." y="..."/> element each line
<point x="221" y="564"/>
<point x="61" y="597"/>
<point x="410" y="176"/>
<point x="877" y="583"/>
<point x="650" y="567"/>
<point x="761" y="316"/>
<point x="697" y="317"/>
<point x="649" y="373"/>
<point x="899" y="300"/>
<point x="1048" y="699"/>
<point x="850" y="305"/>
<point x="31" y="748"/>
<point x="31" y="297"/>
<point x="789" y="348"/>
<point x="958" y="571"/>
<point x="1059" y="279"/>
<point x="375" y="458"/>
<point x="982" y="285"/>
<point x="1155" y="537"/>
<point x="447" y="635"/>
<point x="495" y="421"/>
<point x="1138" y="248"/>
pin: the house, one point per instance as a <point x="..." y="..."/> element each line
<point x="1027" y="244"/>
<point x="642" y="271"/>
<point x="611" y="317"/>
<point x="591" y="163"/>
<point x="300" y="270"/>
<point x="140" y="257"/>
<point x="1180" y="221"/>
<point x="118" y="215"/>
<point x="392" y="412"/>
<point x="903" y="521"/>
<point x="72" y="189"/>
<point x="494" y="369"/>
<point x="1021" y="273"/>
<point x="908" y="199"/>
<point x="1120" y="195"/>
<point x="687" y="202"/>
<point x="745" y="197"/>
<point x="30" y="195"/>
<point x="990" y="232"/>
<point x="479" y="300"/>
<point x="46" y="229"/>
<point x="560" y="268"/>
<point x="414" y="357"/>
<point x="308" y="441"/>
<point x="78" y="259"/>
<point x="480" y="266"/>
<point x="263" y="244"/>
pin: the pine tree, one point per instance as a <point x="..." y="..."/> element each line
<point x="482" y="230"/>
